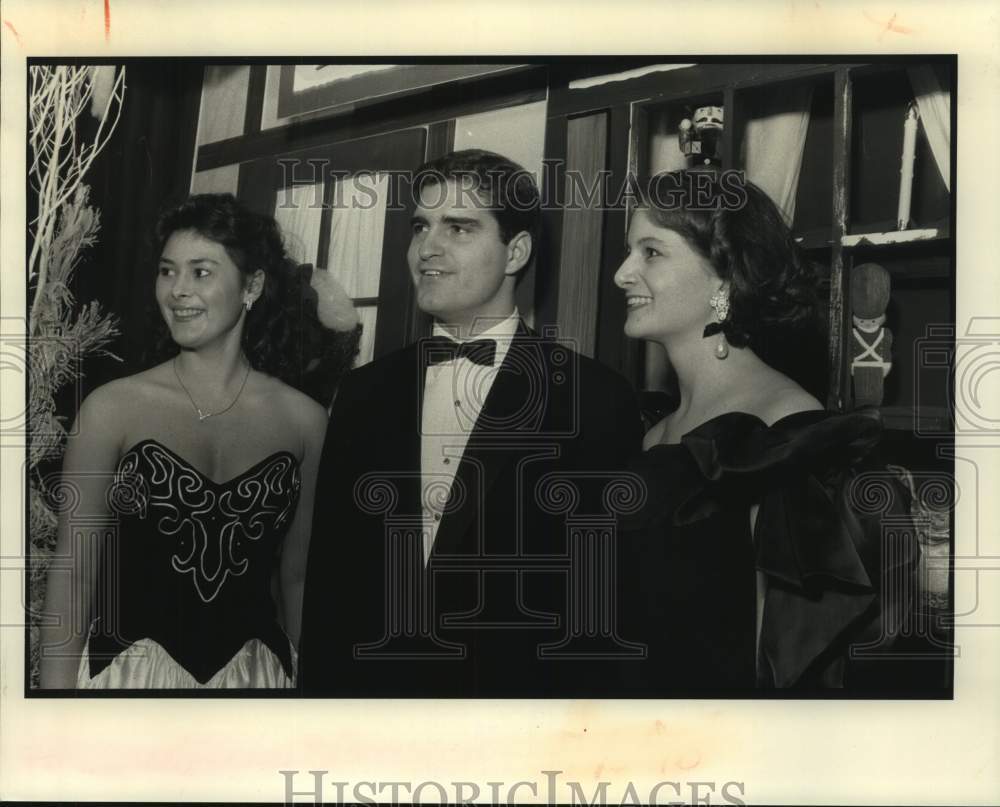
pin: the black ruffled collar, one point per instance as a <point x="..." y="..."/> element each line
<point x="809" y="547"/>
<point x="736" y="457"/>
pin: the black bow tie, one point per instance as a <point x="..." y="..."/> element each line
<point x="440" y="349"/>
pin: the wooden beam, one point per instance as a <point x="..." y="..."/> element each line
<point x="729" y="128"/>
<point x="614" y="348"/>
<point x="255" y="99"/>
<point x="839" y="394"/>
<point x="438" y="104"/>
<point x="670" y="85"/>
<point x="548" y="259"/>
<point x="583" y="217"/>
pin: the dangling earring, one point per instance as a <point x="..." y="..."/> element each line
<point x="720" y="304"/>
<point x="248" y="304"/>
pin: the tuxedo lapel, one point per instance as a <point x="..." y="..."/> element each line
<point x="394" y="442"/>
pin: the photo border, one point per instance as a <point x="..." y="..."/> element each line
<point x="785" y="752"/>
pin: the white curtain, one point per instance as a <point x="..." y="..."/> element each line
<point x="357" y="226"/>
<point x="356" y="230"/>
<point x="368" y="314"/>
<point x="773" y="143"/>
<point x="664" y="155"/>
<point x="934" y="105"/>
<point x="298" y="210"/>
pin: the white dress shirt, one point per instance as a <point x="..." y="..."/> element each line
<point x="454" y="394"/>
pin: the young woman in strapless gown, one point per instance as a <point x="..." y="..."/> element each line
<point x="756" y="562"/>
<point x="189" y="487"/>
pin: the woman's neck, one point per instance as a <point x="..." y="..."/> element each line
<point x="708" y="385"/>
<point x="213" y="364"/>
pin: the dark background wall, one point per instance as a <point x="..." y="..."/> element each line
<point x="145" y="167"/>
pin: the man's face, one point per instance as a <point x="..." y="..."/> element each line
<point x="461" y="269"/>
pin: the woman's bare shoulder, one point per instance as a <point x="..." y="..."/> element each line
<point x="126" y="394"/>
<point x="781" y="397"/>
<point x="296" y="406"/>
<point x="110" y="414"/>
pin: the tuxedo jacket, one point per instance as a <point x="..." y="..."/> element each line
<point x="377" y="621"/>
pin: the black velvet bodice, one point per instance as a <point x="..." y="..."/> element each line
<point x="191" y="563"/>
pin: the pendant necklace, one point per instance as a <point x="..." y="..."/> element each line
<point x="207" y="415"/>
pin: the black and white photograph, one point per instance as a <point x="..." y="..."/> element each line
<point x="456" y="389"/>
<point x="498" y="385"/>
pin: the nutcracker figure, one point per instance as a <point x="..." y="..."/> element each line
<point x="872" y="341"/>
<point x="701" y="137"/>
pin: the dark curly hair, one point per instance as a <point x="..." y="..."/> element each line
<point x="737" y="227"/>
<point x="282" y="335"/>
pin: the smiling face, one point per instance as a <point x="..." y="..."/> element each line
<point x="200" y="290"/>
<point x="461" y="269"/>
<point x="667" y="283"/>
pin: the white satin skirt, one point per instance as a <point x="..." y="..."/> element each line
<point x="146" y="665"/>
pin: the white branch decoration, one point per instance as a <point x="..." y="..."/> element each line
<point x="58" y="97"/>
<point x="63" y="145"/>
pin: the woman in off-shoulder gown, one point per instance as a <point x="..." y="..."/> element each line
<point x="187" y="489"/>
<point x="758" y="558"/>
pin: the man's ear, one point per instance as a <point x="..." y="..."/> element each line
<point x="518" y="252"/>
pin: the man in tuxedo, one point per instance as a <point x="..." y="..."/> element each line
<point x="438" y="563"/>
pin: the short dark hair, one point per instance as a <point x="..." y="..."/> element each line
<point x="771" y="284"/>
<point x="507" y="188"/>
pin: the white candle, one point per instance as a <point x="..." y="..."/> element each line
<point x="906" y="167"/>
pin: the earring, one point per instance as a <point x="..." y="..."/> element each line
<point x="248" y="304"/>
<point x="720" y="304"/>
